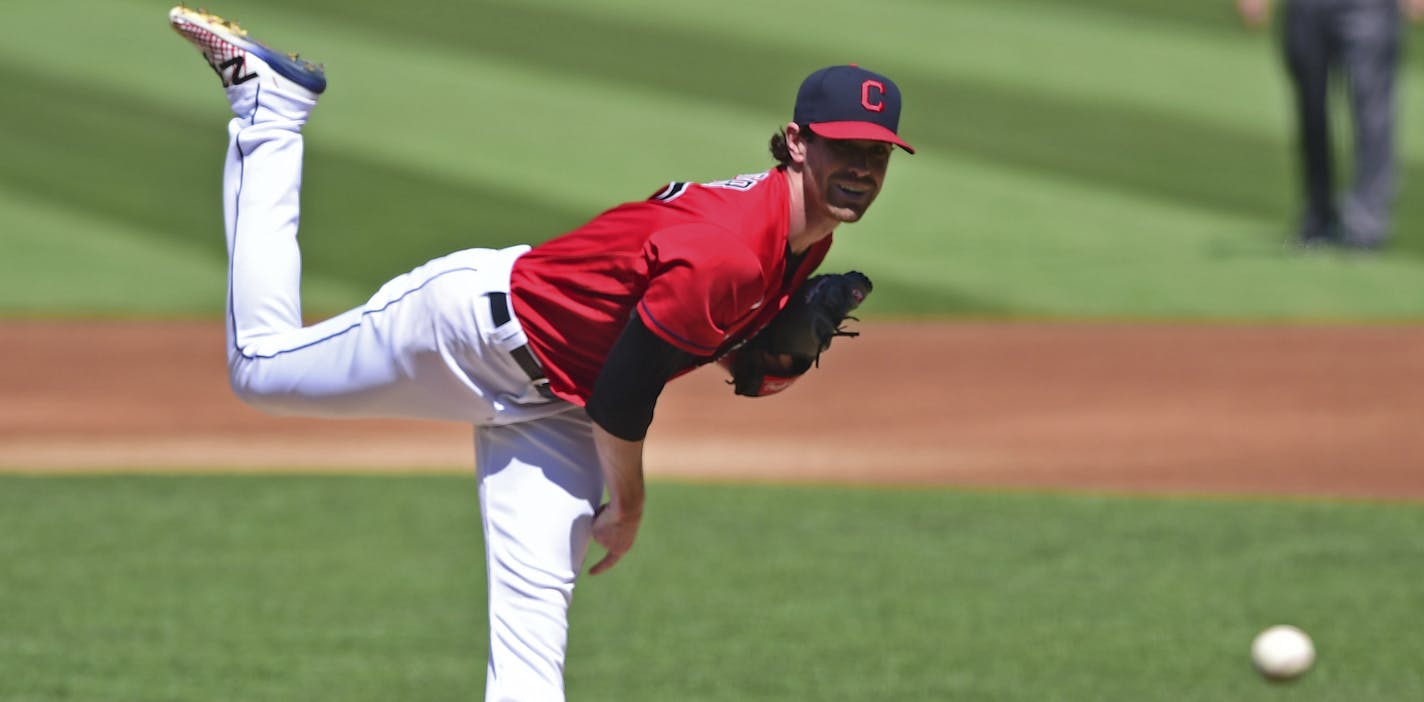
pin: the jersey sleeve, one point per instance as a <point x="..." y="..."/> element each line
<point x="701" y="281"/>
<point x="632" y="378"/>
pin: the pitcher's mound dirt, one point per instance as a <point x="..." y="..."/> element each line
<point x="1304" y="410"/>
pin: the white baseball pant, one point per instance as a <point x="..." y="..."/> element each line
<point x="425" y="346"/>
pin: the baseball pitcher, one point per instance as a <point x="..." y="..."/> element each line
<point x="556" y="353"/>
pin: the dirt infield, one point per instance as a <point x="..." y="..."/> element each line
<point x="1280" y="410"/>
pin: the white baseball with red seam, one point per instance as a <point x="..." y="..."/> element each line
<point x="1282" y="652"/>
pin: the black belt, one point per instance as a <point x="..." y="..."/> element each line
<point x="501" y="315"/>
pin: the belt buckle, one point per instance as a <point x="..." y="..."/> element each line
<point x="541" y="386"/>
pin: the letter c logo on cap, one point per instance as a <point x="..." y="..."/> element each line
<point x="875" y="103"/>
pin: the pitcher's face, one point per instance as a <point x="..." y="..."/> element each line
<point x="843" y="176"/>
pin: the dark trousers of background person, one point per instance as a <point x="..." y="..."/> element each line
<point x="1362" y="38"/>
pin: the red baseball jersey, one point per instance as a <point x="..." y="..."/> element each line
<point x="703" y="265"/>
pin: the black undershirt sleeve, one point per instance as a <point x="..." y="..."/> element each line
<point x="633" y="376"/>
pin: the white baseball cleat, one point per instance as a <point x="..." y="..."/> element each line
<point x="238" y="58"/>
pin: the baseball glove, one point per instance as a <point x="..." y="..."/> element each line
<point x="793" y="341"/>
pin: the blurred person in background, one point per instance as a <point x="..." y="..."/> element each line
<point x="1362" y="40"/>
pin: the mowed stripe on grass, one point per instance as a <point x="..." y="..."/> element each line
<point x="1104" y="160"/>
<point x="367" y="588"/>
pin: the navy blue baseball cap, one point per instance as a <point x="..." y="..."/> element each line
<point x="849" y="102"/>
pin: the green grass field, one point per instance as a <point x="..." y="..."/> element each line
<point x="242" y="588"/>
<point x="1102" y="158"/>
<point x="1078" y="159"/>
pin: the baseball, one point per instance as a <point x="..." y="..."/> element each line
<point x="1282" y="652"/>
